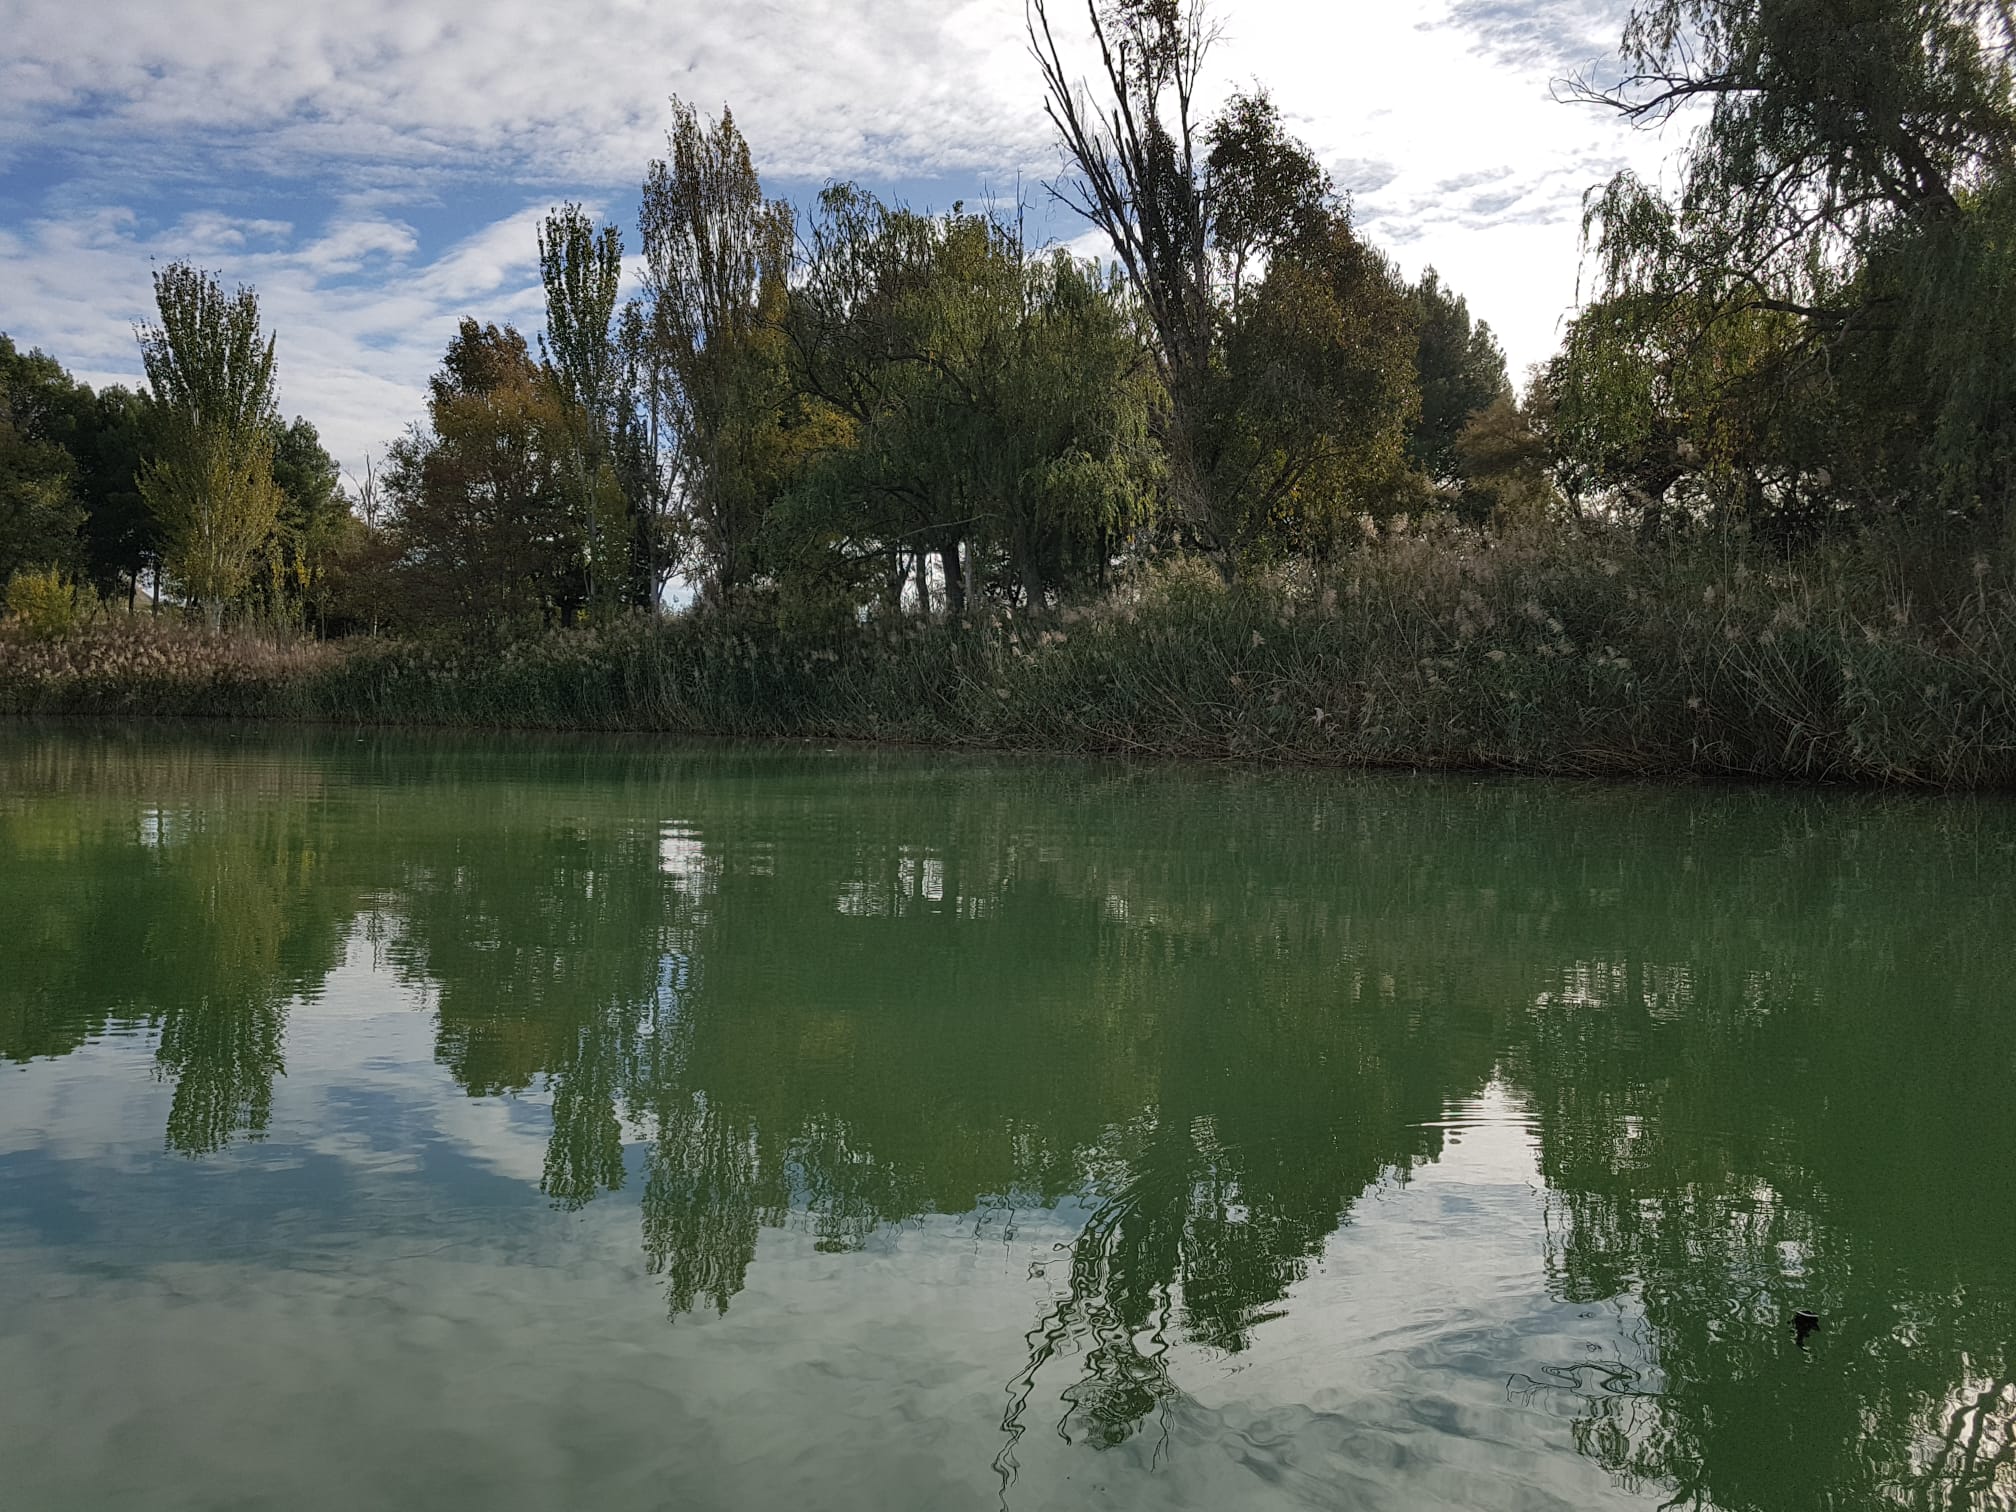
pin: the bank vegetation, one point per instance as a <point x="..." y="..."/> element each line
<point x="1239" y="490"/>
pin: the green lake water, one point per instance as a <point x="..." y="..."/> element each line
<point x="508" y="1124"/>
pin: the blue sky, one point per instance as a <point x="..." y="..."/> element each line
<point x="376" y="168"/>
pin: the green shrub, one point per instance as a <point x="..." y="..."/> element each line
<point x="46" y="603"/>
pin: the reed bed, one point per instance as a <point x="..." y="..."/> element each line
<point x="1582" y="653"/>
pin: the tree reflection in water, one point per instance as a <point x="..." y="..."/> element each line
<point x="160" y="887"/>
<point x="1759" y="1038"/>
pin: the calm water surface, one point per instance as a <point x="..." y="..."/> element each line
<point x="508" y="1125"/>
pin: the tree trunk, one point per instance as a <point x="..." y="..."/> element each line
<point x="899" y="574"/>
<point x="1032" y="585"/>
<point x="955" y="583"/>
<point x="1024" y="551"/>
<point x="923" y="585"/>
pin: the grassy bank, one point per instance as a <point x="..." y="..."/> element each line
<point x="1574" y="653"/>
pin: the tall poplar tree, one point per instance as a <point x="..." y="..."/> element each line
<point x="210" y="481"/>
<point x="716" y="253"/>
<point x="582" y="269"/>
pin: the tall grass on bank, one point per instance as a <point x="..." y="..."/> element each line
<point x="1546" y="651"/>
<point x="139" y="665"/>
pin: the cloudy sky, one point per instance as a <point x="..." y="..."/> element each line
<point x="376" y="167"/>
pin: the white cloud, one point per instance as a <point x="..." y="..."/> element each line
<point x="491" y="259"/>
<point x="355" y="351"/>
<point x="346" y="246"/>
<point x="1440" y="119"/>
<point x="887" y="86"/>
<point x="206" y="232"/>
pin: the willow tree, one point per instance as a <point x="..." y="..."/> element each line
<point x="716" y="253"/>
<point x="1840" y="219"/>
<point x="866" y="330"/>
<point x="210" y="481"/>
<point x="1060" y="431"/>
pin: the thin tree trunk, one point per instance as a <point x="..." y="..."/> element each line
<point x="955" y="582"/>
<point x="1026" y="569"/>
<point x="899" y="574"/>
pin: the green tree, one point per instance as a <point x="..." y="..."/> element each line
<point x="1284" y="398"/>
<point x="1829" y="121"/>
<point x="40" y="516"/>
<point x="210" y="480"/>
<point x="104" y="436"/>
<point x="1666" y="414"/>
<point x="1064" y="461"/>
<point x="1310" y="388"/>
<point x="1504" y="460"/>
<point x="310" y="528"/>
<point x="122" y="537"/>
<point x="992" y="408"/>
<point x="715" y="255"/>
<point x="582" y="269"/>
<point x="1268" y="192"/>
<point x="860" y="513"/>
<point x="482" y="497"/>
<point x="1461" y="369"/>
<point x="1314" y="395"/>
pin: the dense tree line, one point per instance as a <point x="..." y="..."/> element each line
<point x="876" y="408"/>
<point x="860" y="408"/>
<point x="69" y="459"/>
<point x="879" y="408"/>
<point x="116" y="492"/>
